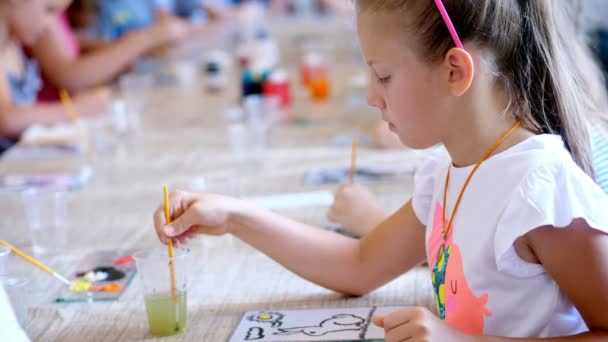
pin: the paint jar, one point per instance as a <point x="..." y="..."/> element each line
<point x="186" y="73"/>
<point x="319" y="89"/>
<point x="258" y="126"/>
<point x="277" y="85"/>
<point x="216" y="78"/>
<point x="46" y="213"/>
<point x="274" y="112"/>
<point x="313" y="66"/>
<point x="164" y="284"/>
<point x="314" y="75"/>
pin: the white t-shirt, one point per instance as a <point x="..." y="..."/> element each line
<point x="485" y="287"/>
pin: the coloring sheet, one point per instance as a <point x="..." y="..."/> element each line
<point x="352" y="324"/>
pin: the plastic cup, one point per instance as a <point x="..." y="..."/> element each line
<point x="166" y="307"/>
<point x="47" y="218"/>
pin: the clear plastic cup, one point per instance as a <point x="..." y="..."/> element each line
<point x="46" y="214"/>
<point x="166" y="306"/>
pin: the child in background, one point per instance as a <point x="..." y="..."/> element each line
<point x="21" y="23"/>
<point x="118" y="17"/>
<point x="58" y="53"/>
<point x="81" y="16"/>
<point x="197" y="11"/>
<point x="507" y="215"/>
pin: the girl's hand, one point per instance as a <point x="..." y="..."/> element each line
<point x="169" y="30"/>
<point x="356" y="209"/>
<point x="193" y="214"/>
<point x="417" y="324"/>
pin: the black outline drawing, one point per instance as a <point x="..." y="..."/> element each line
<point x="260" y="334"/>
<point x="334" y="322"/>
<point x="275" y="322"/>
<point x="368" y="321"/>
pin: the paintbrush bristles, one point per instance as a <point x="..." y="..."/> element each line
<point x="66" y="100"/>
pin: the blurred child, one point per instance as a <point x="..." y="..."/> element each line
<point x="116" y="18"/>
<point x="21" y="23"/>
<point x="198" y="11"/>
<point x="57" y="51"/>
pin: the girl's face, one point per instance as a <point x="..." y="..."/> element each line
<point x="402" y="87"/>
<point x="29" y="18"/>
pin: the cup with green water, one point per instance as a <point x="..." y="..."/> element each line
<point x="166" y="306"/>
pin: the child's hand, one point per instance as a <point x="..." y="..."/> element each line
<point x="417" y="324"/>
<point x="356" y="209"/>
<point x="169" y="30"/>
<point x="193" y="214"/>
<point x="94" y="102"/>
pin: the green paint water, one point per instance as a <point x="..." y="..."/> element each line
<point x="166" y="315"/>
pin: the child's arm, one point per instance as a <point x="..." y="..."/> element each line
<point x="575" y="256"/>
<point x="216" y="13"/>
<point x="15" y="119"/>
<point x="336" y="262"/>
<point x="88" y="44"/>
<point x="76" y="74"/>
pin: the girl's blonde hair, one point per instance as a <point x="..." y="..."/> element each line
<point x="552" y="82"/>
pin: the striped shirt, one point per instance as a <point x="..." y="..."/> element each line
<point x="599" y="152"/>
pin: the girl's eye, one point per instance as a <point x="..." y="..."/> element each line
<point x="383" y="80"/>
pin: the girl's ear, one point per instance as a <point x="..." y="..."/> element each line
<point x="460" y="71"/>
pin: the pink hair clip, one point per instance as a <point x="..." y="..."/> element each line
<point x="448" y="23"/>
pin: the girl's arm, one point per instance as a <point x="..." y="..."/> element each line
<point x="15" y="119"/>
<point x="76" y="74"/>
<point x="331" y="260"/>
<point x="88" y="44"/>
<point x="342" y="264"/>
<point x="577" y="258"/>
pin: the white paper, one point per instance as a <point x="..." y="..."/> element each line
<point x="67" y="134"/>
<point x="350" y="324"/>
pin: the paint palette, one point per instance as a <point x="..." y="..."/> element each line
<point x="109" y="274"/>
<point x="347" y="324"/>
